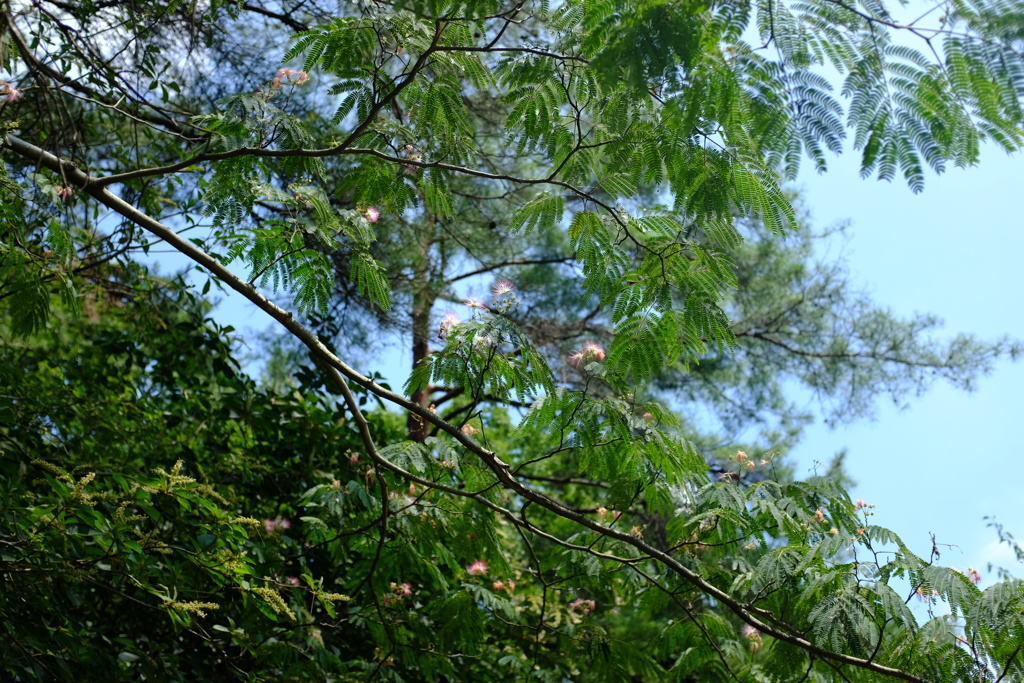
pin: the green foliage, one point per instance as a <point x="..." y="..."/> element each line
<point x="553" y="515"/>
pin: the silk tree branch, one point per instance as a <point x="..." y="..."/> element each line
<point x="98" y="191"/>
<point x="337" y="150"/>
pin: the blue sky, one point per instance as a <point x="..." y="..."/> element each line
<point x="955" y="250"/>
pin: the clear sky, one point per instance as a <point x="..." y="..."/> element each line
<point x="955" y="250"/>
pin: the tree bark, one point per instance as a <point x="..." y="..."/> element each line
<point x="423" y="297"/>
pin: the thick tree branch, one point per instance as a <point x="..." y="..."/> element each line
<point x="285" y="19"/>
<point x="513" y="262"/>
<point x="506" y="478"/>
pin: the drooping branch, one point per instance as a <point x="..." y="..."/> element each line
<point x="97" y="189"/>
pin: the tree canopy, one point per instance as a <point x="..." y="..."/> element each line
<point x="539" y="500"/>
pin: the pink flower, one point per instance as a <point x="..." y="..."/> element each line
<point x="398" y="591"/>
<point x="974" y="575"/>
<point x="511" y="586"/>
<point x="819" y="515"/>
<point x="594" y="348"/>
<point x="474" y="303"/>
<point x="9" y="92"/>
<point x="477" y="568"/>
<point x="860" y="503"/>
<point x="448" y="322"/>
<point x="498" y="585"/>
<point x="292" y="580"/>
<point x="371" y="214"/>
<point x="65" y="193"/>
<point x="752" y="635"/>
<point x="353" y="459"/>
<point x="293" y="76"/>
<point x="468" y="429"/>
<point x="272" y="525"/>
<point x="590" y="352"/>
<point x="501" y="288"/>
<point x="581" y="605"/>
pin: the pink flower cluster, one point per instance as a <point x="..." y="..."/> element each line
<point x="272" y="525"/>
<point x="448" y="322"/>
<point x="743" y="460"/>
<point x="371" y="214"/>
<point x="753" y="636"/>
<point x="477" y="568"/>
<point x="500" y="585"/>
<point x="582" y="606"/>
<point x="290" y="76"/>
<point x="9" y="92"/>
<point x="398" y="591"/>
<point x="590" y="353"/>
